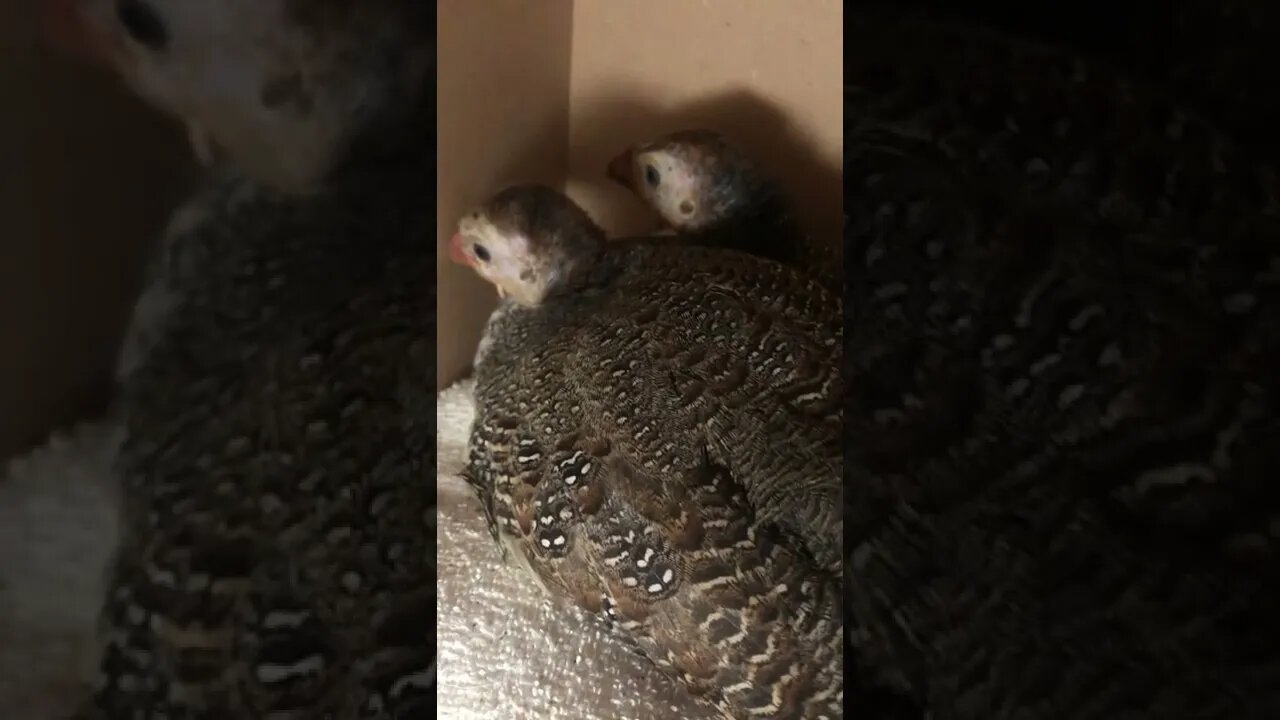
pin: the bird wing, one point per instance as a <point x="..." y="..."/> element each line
<point x="670" y="555"/>
<point x="736" y="358"/>
<point x="606" y="419"/>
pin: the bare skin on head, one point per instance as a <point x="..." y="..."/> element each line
<point x="528" y="240"/>
<point x="693" y="179"/>
<point x="276" y="87"/>
<point x="705" y="188"/>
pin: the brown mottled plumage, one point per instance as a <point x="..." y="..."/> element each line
<point x="732" y="205"/>
<point x="278" y="547"/>
<point x="711" y="193"/>
<point x="667" y="458"/>
<point x="1064" y="319"/>
<point x="279" y="539"/>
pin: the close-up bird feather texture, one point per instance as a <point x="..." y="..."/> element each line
<point x="272" y="429"/>
<point x="1060" y="423"/>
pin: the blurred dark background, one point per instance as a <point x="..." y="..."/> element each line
<point x="88" y="177"/>
<point x="1215" y="56"/>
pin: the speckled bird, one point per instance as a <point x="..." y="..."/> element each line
<point x="1060" y="428"/>
<point x="703" y="186"/>
<point x="709" y="192"/>
<point x="666" y="458"/>
<point x="278" y="547"/>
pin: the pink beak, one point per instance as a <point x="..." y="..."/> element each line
<point x="456" y="253"/>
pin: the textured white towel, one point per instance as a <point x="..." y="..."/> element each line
<point x="59" y="526"/>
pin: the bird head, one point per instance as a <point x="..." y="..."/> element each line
<point x="693" y="179"/>
<point x="528" y="240"/>
<point x="279" y="88"/>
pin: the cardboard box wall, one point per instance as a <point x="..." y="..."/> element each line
<point x="88" y="177"/>
<point x="549" y="90"/>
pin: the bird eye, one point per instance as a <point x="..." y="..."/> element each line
<point x="482" y="253"/>
<point x="651" y="176"/>
<point x="142" y="23"/>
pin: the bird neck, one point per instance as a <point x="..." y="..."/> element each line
<point x="761" y="225"/>
<point x="579" y="264"/>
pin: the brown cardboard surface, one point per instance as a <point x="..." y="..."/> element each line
<point x="767" y="74"/>
<point x="502" y="100"/>
<point x="89" y="175"/>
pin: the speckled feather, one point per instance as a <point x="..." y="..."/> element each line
<point x="1060" y="422"/>
<point x="278" y="547"/>
<point x="671" y="461"/>
<point x="752" y="215"/>
<point x="278" y="558"/>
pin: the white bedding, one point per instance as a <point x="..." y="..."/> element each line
<point x="59" y="526"/>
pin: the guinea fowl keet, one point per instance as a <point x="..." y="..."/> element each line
<point x="706" y="188"/>
<point x="278" y="89"/>
<point x="278" y="541"/>
<point x="730" y="203"/>
<point x="657" y="438"/>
